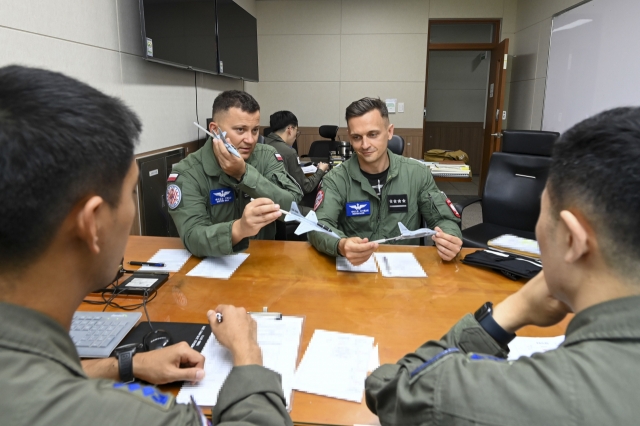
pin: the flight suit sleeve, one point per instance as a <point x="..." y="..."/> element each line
<point x="251" y="395"/>
<point x="307" y="184"/>
<point x="200" y="236"/>
<point x="276" y="184"/>
<point x="434" y="208"/>
<point x="328" y="213"/>
<point x="464" y="379"/>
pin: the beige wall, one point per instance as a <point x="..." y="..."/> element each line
<point x="99" y="42"/>
<point x="531" y="50"/>
<point x="317" y="56"/>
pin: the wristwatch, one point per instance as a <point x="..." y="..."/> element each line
<point x="125" y="355"/>
<point x="484" y="315"/>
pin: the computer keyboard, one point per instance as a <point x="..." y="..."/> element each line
<point x="96" y="334"/>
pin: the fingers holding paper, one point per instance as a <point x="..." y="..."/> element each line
<point x="448" y="246"/>
<point x="357" y="250"/>
<point x="237" y="332"/>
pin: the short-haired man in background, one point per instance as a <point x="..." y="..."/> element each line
<point x="209" y="192"/>
<point x="366" y="197"/>
<point x="590" y="247"/>
<point x="284" y="131"/>
<point x="70" y="187"/>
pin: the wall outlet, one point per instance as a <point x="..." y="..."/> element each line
<point x="400" y="106"/>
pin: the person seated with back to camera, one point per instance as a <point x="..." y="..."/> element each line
<point x="72" y="192"/>
<point x="284" y="131"/>
<point x="209" y="193"/>
<point x="366" y="197"/>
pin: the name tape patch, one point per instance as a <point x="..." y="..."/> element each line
<point x="221" y="196"/>
<point x="359" y="208"/>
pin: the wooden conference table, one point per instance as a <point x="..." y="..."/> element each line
<point x="294" y="279"/>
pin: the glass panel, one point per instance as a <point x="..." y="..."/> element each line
<point x="461" y="33"/>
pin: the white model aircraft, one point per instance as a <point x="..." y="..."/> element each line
<point x="307" y="223"/>
<point x="222" y="137"/>
<point x="406" y="234"/>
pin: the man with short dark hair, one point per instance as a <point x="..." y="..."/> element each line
<point x="284" y="131"/>
<point x="590" y="247"/>
<point x="209" y="192"/>
<point x="365" y="198"/>
<point x="70" y="187"/>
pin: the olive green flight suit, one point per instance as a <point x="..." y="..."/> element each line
<point x="346" y="186"/>
<point x="290" y="157"/>
<point x="591" y="379"/>
<point x="42" y="383"/>
<point x="204" y="201"/>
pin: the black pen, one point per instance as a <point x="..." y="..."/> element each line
<point x="138" y="263"/>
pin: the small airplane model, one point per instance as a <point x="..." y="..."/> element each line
<point x="405" y="234"/>
<point x="230" y="147"/>
<point x="307" y="223"/>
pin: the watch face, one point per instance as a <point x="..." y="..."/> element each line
<point x="484" y="310"/>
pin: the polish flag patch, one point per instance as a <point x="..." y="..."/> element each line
<point x="172" y="177"/>
<point x="278" y="157"/>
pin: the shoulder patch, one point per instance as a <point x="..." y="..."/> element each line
<point x="172" y="177"/>
<point x="434" y="359"/>
<point x="480" y="357"/>
<point x="319" y="200"/>
<point x="174" y="196"/>
<point x="147" y="394"/>
<point x="278" y="156"/>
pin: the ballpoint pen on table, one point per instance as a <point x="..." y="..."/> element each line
<point x="139" y="263"/>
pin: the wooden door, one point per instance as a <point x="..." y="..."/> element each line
<point x="495" y="105"/>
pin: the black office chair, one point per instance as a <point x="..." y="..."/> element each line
<point x="260" y="139"/>
<point x="266" y="131"/>
<point x="396" y="144"/>
<point x="516" y="178"/>
<point x="323" y="148"/>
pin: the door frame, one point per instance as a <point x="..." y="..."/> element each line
<point x="456" y="47"/>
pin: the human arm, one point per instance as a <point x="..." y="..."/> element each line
<point x="257" y="214"/>
<point x="330" y="204"/>
<point x="251" y="394"/>
<point x="172" y="363"/>
<point x="307" y="183"/>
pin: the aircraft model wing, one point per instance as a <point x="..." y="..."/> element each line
<point x="307" y="223"/>
<point x="406" y="234"/>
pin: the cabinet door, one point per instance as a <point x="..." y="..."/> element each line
<point x="154" y="213"/>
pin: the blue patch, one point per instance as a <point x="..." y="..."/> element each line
<point x="134" y="387"/>
<point x="148" y="390"/>
<point x="221" y="196"/>
<point x="119" y="385"/>
<point x="149" y="393"/>
<point x="359" y="208"/>
<point x="434" y="359"/>
<point x="480" y="357"/>
<point x="160" y="398"/>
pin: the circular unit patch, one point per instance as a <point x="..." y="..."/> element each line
<point x="174" y="196"/>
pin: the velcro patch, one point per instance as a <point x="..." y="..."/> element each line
<point x="398" y="203"/>
<point x="359" y="208"/>
<point x="147" y="393"/>
<point x="221" y="196"/>
<point x="172" y="177"/>
<point x="319" y="200"/>
<point x="174" y="196"/>
<point x="278" y="156"/>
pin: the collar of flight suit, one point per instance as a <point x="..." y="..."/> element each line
<point x="210" y="162"/>
<point x="29" y="331"/>
<point x="617" y="319"/>
<point x="274" y="138"/>
<point x="353" y="168"/>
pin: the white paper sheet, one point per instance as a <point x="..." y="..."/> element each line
<point x="309" y="169"/>
<point x="173" y="260"/>
<point x="374" y="360"/>
<point x="516" y="243"/>
<point x="335" y="365"/>
<point x="279" y="341"/>
<point x="342" y="264"/>
<point x="527" y="346"/>
<point x="399" y="265"/>
<point x="218" y="267"/>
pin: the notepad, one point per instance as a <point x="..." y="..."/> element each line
<point x="279" y="341"/>
<point x="335" y="365"/>
<point x="173" y="259"/>
<point x="527" y="346"/>
<point x="517" y="245"/>
<point x="399" y="265"/>
<point x="343" y="264"/>
<point x="218" y="267"/>
<point x="309" y="169"/>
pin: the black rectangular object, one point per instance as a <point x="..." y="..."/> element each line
<point x="182" y="32"/>
<point x="196" y="335"/>
<point x="128" y="285"/>
<point x="237" y="41"/>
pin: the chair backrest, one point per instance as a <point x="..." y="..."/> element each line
<point x="396" y="144"/>
<point x="529" y="142"/>
<point x="260" y="139"/>
<point x="266" y="131"/>
<point x="328" y="131"/>
<point x="322" y="148"/>
<point x="513" y="189"/>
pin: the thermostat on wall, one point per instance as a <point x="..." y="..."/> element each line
<point x="391" y="105"/>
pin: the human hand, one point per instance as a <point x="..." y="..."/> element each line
<point x="169" y="364"/>
<point x="448" y="245"/>
<point x="257" y="214"/>
<point x="237" y="332"/>
<point x="533" y="304"/>
<point x="357" y="250"/>
<point x="230" y="164"/>
<point x="323" y="166"/>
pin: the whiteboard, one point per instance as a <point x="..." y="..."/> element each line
<point x="594" y="62"/>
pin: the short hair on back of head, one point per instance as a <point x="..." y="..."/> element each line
<point x="596" y="168"/>
<point x="60" y="141"/>
<point x="281" y="119"/>
<point x="361" y="107"/>
<point x="234" y="99"/>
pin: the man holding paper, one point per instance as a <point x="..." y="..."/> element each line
<point x="589" y="241"/>
<point x="70" y="204"/>
<point x="365" y="198"/>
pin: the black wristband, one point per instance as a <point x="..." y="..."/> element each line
<point x="484" y="316"/>
<point x="125" y="354"/>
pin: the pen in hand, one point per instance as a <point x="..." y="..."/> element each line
<point x="219" y="317"/>
<point x="138" y="263"/>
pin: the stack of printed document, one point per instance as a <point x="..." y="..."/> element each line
<point x="450" y="170"/>
<point x="343" y="264"/>
<point x="399" y="265"/>
<point x="218" y="267"/>
<point x="515" y="244"/>
<point x="173" y="260"/>
<point x="309" y="169"/>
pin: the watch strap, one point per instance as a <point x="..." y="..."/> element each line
<point x="493" y="329"/>
<point x="125" y="365"/>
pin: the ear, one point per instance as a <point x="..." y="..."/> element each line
<point x="390" y="131"/>
<point x="213" y="127"/>
<point x="577" y="237"/>
<point x="88" y="223"/>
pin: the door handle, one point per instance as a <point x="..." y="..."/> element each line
<point x="497" y="135"/>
